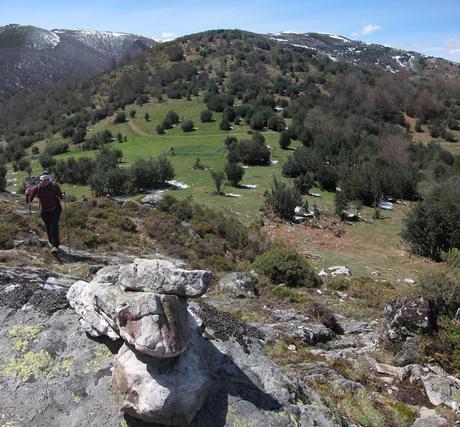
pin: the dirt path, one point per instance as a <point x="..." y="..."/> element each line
<point x="136" y="128"/>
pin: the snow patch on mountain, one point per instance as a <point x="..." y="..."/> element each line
<point x="44" y="40"/>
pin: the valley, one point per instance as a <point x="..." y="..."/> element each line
<point x="273" y="219"/>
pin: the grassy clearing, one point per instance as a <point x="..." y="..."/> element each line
<point x="363" y="247"/>
<point x="207" y="143"/>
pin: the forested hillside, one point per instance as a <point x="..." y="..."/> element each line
<point x="357" y="123"/>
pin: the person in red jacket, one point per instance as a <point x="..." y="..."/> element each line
<point x="49" y="194"/>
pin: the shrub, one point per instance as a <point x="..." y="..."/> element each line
<point x="224" y="124"/>
<point x="79" y="135"/>
<point x="285" y="266"/>
<point x="229" y="114"/>
<point x="173" y="117"/>
<point x="166" y="123"/>
<point x="120" y="117"/>
<point x="431" y="227"/>
<point x="206" y="116"/>
<point x="3" y="172"/>
<point x="289" y="294"/>
<point x="443" y="286"/>
<point x="160" y="129"/>
<point x="7" y="234"/>
<point x="304" y="183"/>
<point x="258" y="121"/>
<point x="150" y="173"/>
<point x="327" y="177"/>
<point x="254" y="153"/>
<point x="276" y="123"/>
<point x="234" y="172"/>
<point x="46" y="160"/>
<point x="283" y="199"/>
<point x="444" y="346"/>
<point x="285" y="140"/>
<point x="187" y="126"/>
<point x="341" y="204"/>
<point x="55" y="149"/>
<point x="112" y="182"/>
<point x="218" y="178"/>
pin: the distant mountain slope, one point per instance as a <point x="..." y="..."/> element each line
<point x="357" y="52"/>
<point x="32" y="57"/>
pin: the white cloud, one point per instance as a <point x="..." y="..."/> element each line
<point x="167" y="36"/>
<point x="453" y="46"/>
<point x="367" y="29"/>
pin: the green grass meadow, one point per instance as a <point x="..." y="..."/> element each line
<point x="365" y="247"/>
<point x="206" y="142"/>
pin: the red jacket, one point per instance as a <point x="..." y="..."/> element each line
<point x="48" y="195"/>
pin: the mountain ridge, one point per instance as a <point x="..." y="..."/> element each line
<point x="32" y="57"/>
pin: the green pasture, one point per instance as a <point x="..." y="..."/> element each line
<point x="183" y="149"/>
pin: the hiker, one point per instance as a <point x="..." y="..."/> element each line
<point x="49" y="194"/>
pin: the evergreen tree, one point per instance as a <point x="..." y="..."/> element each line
<point x="341" y="204"/>
<point x="285" y="140"/>
<point x="218" y="178"/>
<point x="234" y="172"/>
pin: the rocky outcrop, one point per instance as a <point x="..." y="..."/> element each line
<point x="159" y="375"/>
<point x="153" y="198"/>
<point x="183" y="365"/>
<point x="163" y="277"/>
<point x="237" y="285"/>
<point x="407" y="317"/>
<point x="159" y="390"/>
<point x="440" y="388"/>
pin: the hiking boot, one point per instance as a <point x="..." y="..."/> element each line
<point x="54" y="250"/>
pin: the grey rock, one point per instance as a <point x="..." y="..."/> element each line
<point x="154" y="324"/>
<point x="429" y="418"/>
<point x="59" y="283"/>
<point x="237" y="285"/>
<point x="69" y="388"/>
<point x="314" y="334"/>
<point x="93" y="269"/>
<point x="294" y="325"/>
<point x="163" y="277"/>
<point x="30" y="241"/>
<point x="408" y="353"/>
<point x="156" y="392"/>
<point x="442" y="390"/>
<point x="339" y="270"/>
<point x="86" y="301"/>
<point x="107" y="274"/>
<point x="153" y="198"/>
<point x="408" y="317"/>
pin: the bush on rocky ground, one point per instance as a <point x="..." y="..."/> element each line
<point x="7" y="234"/>
<point x="282" y="265"/>
<point x="204" y="237"/>
<point x="443" y="285"/>
<point x="443" y="347"/>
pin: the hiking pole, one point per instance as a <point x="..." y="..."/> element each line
<point x="67" y="223"/>
<point x="30" y="218"/>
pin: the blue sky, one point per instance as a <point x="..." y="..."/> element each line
<point x="429" y="27"/>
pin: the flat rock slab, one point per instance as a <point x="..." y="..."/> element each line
<point x="57" y="377"/>
<point x="163" y="277"/>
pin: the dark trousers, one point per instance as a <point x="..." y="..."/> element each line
<point x="51" y="220"/>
